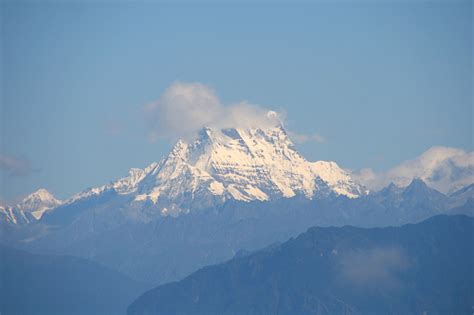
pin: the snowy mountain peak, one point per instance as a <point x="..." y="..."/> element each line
<point x="179" y="150"/>
<point x="38" y="202"/>
<point x="244" y="164"/>
<point x="417" y="183"/>
<point x="41" y="195"/>
<point x="241" y="164"/>
<point x="123" y="186"/>
<point x="391" y="189"/>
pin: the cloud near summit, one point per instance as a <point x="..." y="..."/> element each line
<point x="184" y="108"/>
<point x="443" y="168"/>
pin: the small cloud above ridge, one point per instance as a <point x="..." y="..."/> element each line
<point x="443" y="168"/>
<point x="185" y="108"/>
<point x="16" y="166"/>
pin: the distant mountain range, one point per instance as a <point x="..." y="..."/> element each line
<point x="217" y="166"/>
<point x="58" y="285"/>
<point x="426" y="268"/>
<point x="224" y="191"/>
<point x="30" y="209"/>
<point x="442" y="168"/>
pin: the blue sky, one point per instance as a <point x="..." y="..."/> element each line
<point x="381" y="82"/>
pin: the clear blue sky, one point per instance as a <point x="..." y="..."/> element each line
<point x="381" y="82"/>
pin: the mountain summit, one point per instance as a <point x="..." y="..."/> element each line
<point x="241" y="164"/>
<point x="30" y="209"/>
<point x="38" y="202"/>
<point x="223" y="191"/>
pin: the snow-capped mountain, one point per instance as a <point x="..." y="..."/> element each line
<point x="243" y="179"/>
<point x="30" y="209"/>
<point x="223" y="164"/>
<point x="13" y="215"/>
<point x="123" y="186"/>
<point x="38" y="202"/>
<point x="239" y="164"/>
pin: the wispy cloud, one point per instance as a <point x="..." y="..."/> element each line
<point x="184" y="108"/>
<point x="304" y="138"/>
<point x="443" y="168"/>
<point x="373" y="268"/>
<point x="15" y="166"/>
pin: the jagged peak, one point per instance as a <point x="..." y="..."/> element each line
<point x="231" y="163"/>
<point x="205" y="132"/>
<point x="391" y="188"/>
<point x="179" y="150"/>
<point x="463" y="190"/>
<point x="417" y="185"/>
<point x="134" y="171"/>
<point x="218" y="134"/>
<point x="38" y="202"/>
<point x="41" y="194"/>
<point x="417" y="182"/>
<point x="244" y="164"/>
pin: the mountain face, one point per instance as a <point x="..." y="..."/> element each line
<point x="38" y="202"/>
<point x="414" y="269"/>
<point x="29" y="209"/>
<point x="239" y="164"/>
<point x="219" y="165"/>
<point x="14" y="216"/>
<point x="462" y="195"/>
<point x="48" y="285"/>
<point x="172" y="247"/>
<point x="224" y="191"/>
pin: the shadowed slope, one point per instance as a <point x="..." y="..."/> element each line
<point x="348" y="270"/>
<point x="41" y="284"/>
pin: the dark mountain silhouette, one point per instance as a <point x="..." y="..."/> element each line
<point x="424" y="268"/>
<point x="170" y="248"/>
<point x="48" y="285"/>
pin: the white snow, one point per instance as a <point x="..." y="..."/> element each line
<point x="38" y="203"/>
<point x="242" y="164"/>
<point x="13" y="215"/>
<point x="216" y="188"/>
<point x="220" y="164"/>
<point x="123" y="186"/>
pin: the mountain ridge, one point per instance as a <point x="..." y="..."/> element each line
<point x="170" y="247"/>
<point x="220" y="164"/>
<point x="241" y="164"/>
<point x="216" y="166"/>
<point x="31" y="208"/>
<point x="56" y="284"/>
<point x="335" y="270"/>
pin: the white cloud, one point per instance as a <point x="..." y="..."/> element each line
<point x="443" y="168"/>
<point x="368" y="177"/>
<point x="373" y="268"/>
<point x="15" y="166"/>
<point x="303" y="138"/>
<point x="184" y="108"/>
